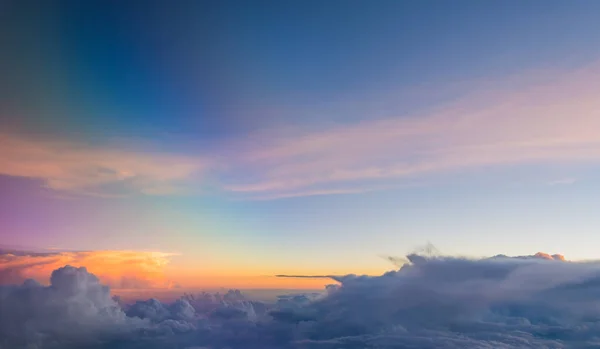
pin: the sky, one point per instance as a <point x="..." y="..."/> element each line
<point x="207" y="144"/>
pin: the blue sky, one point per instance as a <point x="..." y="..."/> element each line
<point x="314" y="134"/>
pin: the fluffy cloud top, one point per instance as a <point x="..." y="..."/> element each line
<point x="538" y="301"/>
<point x="74" y="310"/>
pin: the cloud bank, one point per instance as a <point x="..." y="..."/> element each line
<point x="539" y="301"/>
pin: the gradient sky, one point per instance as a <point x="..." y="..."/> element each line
<point x="289" y="137"/>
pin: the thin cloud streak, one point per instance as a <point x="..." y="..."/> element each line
<point x="306" y="276"/>
<point x="539" y="121"/>
<point x="563" y="181"/>
<point x="309" y="193"/>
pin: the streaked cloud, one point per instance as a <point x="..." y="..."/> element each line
<point x="309" y="193"/>
<point x="101" y="171"/>
<point x="563" y="181"/>
<point x="119" y="269"/>
<point x="544" y="117"/>
<point x="305" y="276"/>
<point x="547" y="117"/>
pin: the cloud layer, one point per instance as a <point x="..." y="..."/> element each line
<point x="538" y="301"/>
<point x="546" y="117"/>
<point x="538" y="118"/>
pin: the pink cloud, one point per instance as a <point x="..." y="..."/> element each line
<point x="73" y="167"/>
<point x="537" y="118"/>
<point x="551" y="118"/>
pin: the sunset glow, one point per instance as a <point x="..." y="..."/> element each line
<point x="299" y="174"/>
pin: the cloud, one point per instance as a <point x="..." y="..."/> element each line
<point x="74" y="310"/>
<point x="117" y="269"/>
<point x="306" y="276"/>
<point x="309" y="193"/>
<point x="432" y="301"/>
<point x="154" y="310"/>
<point x="546" y="117"/>
<point x="100" y="171"/>
<point x="539" y="255"/>
<point x="536" y="119"/>
<point x="563" y="181"/>
<point x="537" y="301"/>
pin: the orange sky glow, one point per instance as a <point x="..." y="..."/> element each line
<point x="128" y="272"/>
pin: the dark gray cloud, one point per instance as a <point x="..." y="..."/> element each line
<point x="75" y="309"/>
<point x="432" y="301"/>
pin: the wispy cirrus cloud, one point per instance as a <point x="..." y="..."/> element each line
<point x="101" y="171"/>
<point x="543" y="118"/>
<point x="546" y="118"/>
<point x="562" y="181"/>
